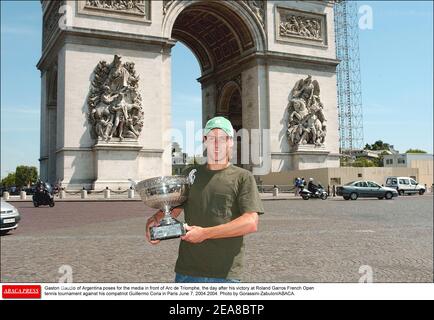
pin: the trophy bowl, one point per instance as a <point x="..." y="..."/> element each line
<point x="165" y="193"/>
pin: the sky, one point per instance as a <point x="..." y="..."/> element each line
<point x="396" y="59"/>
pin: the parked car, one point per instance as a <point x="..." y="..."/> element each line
<point x="14" y="191"/>
<point x="365" y="189"/>
<point x="31" y="190"/>
<point x="9" y="217"/>
<point x="405" y="185"/>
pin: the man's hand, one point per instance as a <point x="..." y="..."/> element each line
<point x="153" y="221"/>
<point x="194" y="234"/>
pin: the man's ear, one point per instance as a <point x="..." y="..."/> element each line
<point x="231" y="142"/>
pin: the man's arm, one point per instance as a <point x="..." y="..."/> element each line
<point x="245" y="224"/>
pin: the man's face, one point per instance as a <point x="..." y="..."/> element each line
<point x="218" y="145"/>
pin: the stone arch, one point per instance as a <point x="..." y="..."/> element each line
<point x="227" y="93"/>
<point x="230" y="106"/>
<point x="266" y="62"/>
<point x="221" y="34"/>
<point x="239" y="28"/>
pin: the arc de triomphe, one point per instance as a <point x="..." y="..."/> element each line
<point x="269" y="66"/>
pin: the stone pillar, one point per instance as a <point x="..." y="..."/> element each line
<point x="6" y="195"/>
<point x="84" y="194"/>
<point x="23" y="195"/>
<point x="52" y="135"/>
<point x="275" y="191"/>
<point x="131" y="193"/>
<point x="43" y="149"/>
<point x="107" y="193"/>
<point x="113" y="162"/>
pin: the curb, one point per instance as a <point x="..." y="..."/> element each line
<point x="138" y="200"/>
<point x="80" y="200"/>
<point x="263" y="198"/>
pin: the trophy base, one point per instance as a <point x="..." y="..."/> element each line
<point x="172" y="230"/>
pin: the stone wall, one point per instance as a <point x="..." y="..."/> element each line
<point x="328" y="176"/>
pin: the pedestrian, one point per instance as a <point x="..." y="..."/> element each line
<point x="302" y="184"/>
<point x="222" y="207"/>
<point x="297" y="186"/>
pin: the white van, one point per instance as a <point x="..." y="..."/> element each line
<point x="405" y="185"/>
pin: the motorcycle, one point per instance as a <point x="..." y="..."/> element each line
<point x="320" y="193"/>
<point x="43" y="197"/>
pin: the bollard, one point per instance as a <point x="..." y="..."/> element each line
<point x="131" y="193"/>
<point x="107" y="193"/>
<point x="6" y="195"/>
<point x="275" y="191"/>
<point x="23" y="195"/>
<point x="83" y="194"/>
<point x="62" y="194"/>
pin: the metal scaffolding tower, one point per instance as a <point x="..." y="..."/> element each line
<point x="348" y="76"/>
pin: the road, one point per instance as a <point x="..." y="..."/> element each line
<point x="298" y="241"/>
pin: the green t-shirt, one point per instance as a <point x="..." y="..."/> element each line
<point x="217" y="197"/>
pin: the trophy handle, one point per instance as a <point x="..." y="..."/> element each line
<point x="192" y="176"/>
<point x="133" y="184"/>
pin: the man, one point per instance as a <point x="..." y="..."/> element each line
<point x="302" y="184"/>
<point x="222" y="206"/>
<point x="312" y="187"/>
<point x="297" y="184"/>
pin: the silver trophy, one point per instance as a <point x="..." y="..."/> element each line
<point x="165" y="193"/>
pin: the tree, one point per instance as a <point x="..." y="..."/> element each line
<point x="380" y="161"/>
<point x="378" y="145"/>
<point x="415" y="151"/>
<point x="345" y="161"/>
<point x="9" y="180"/>
<point x="25" y="175"/>
<point x="363" y="162"/>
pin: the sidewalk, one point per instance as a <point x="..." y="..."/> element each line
<point x="77" y="198"/>
<point x="123" y="197"/>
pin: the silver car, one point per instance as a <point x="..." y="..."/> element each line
<point x="365" y="189"/>
<point x="9" y="217"/>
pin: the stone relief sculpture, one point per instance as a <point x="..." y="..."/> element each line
<point x="133" y="6"/>
<point x="258" y="7"/>
<point x="304" y="27"/>
<point x="115" y="106"/>
<point x="306" y="121"/>
<point x="51" y="22"/>
<point x="166" y="5"/>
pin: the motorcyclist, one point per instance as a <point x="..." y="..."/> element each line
<point x="39" y="185"/>
<point x="312" y="187"/>
<point x="43" y="193"/>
